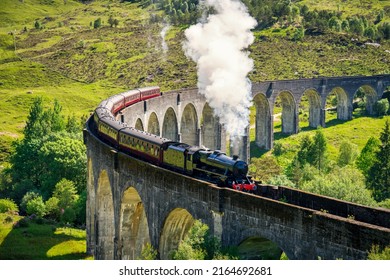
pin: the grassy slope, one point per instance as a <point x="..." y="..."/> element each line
<point x="40" y="241"/>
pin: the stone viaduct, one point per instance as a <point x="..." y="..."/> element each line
<point x="185" y="116"/>
<point x="131" y="203"/>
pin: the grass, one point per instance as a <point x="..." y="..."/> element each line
<point x="34" y="241"/>
<point x="348" y="8"/>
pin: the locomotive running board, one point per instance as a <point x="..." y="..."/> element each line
<point x="222" y="177"/>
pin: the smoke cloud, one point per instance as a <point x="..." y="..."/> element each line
<point x="163" y="32"/>
<point x="217" y="45"/>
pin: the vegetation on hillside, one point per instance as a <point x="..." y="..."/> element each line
<point x="59" y="58"/>
<point x="32" y="238"/>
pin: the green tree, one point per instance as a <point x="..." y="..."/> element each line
<point x="36" y="206"/>
<point x="368" y="155"/>
<point x="37" y="25"/>
<point x="192" y="246"/>
<point x="298" y="34"/>
<point x="66" y="193"/>
<point x="264" y="168"/>
<point x="378" y="179"/>
<point x="97" y="23"/>
<point x="318" y="150"/>
<point x="345" y="183"/>
<point x="53" y="211"/>
<point x="33" y="128"/>
<point x="198" y="244"/>
<point x="335" y="23"/>
<point x="148" y="252"/>
<point x="42" y="122"/>
<point x="348" y="152"/>
<point x="280" y="180"/>
<point x="377" y="254"/>
<point x="113" y="21"/>
<point x="8" y="205"/>
<point x="305" y="153"/>
<point x="46" y="154"/>
<point x="60" y="157"/>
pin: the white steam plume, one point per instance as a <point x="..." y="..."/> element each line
<point x="163" y="32"/>
<point x="218" y="47"/>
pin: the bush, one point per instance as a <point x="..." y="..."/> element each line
<point x="8" y="205"/>
<point x="381" y="107"/>
<point x="26" y="198"/>
<point x="69" y="216"/>
<point x="279" y="149"/>
<point x="36" y="207"/>
<point x="377" y="254"/>
<point x="22" y="223"/>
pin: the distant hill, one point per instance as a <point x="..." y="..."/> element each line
<point x="68" y="50"/>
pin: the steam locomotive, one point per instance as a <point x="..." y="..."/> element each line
<point x="205" y="164"/>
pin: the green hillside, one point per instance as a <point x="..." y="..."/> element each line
<point x="80" y="52"/>
<point x="50" y="48"/>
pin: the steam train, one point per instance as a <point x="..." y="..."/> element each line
<point x="213" y="166"/>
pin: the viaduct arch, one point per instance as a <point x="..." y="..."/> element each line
<point x="132" y="203"/>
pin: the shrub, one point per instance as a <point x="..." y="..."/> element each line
<point x="377" y="254"/>
<point x="26" y="198"/>
<point x="97" y="23"/>
<point x="8" y="205"/>
<point x="36" y="207"/>
<point x="279" y="149"/>
<point x="69" y="216"/>
<point x="22" y="223"/>
<point x="381" y="107"/>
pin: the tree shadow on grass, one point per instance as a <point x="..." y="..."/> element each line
<point x="28" y="240"/>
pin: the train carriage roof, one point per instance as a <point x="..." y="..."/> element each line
<point x="145" y="136"/>
<point x="113" y="123"/>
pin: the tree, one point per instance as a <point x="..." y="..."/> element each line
<point x="61" y="157"/>
<point x="304" y="154"/>
<point x="66" y="193"/>
<point x="42" y="122"/>
<point x="368" y="155"/>
<point x="37" y="25"/>
<point x="198" y="244"/>
<point x="318" y="150"/>
<point x="264" y="168"/>
<point x="298" y="34"/>
<point x="46" y="154"/>
<point x="97" y="23"/>
<point x="280" y="180"/>
<point x="378" y="179"/>
<point x="33" y="128"/>
<point x="36" y="206"/>
<point x="113" y="21"/>
<point x="192" y="246"/>
<point x="345" y="183"/>
<point x="347" y="153"/>
<point x="148" y="252"/>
